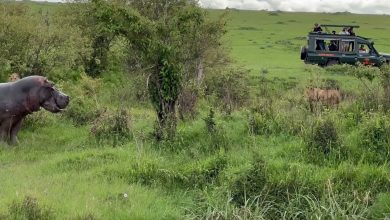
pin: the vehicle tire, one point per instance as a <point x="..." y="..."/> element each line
<point x="332" y="62"/>
<point x="303" y="53"/>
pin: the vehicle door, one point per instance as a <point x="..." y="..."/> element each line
<point x="348" y="51"/>
<point x="367" y="55"/>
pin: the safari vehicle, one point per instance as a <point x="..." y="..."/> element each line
<point x="325" y="48"/>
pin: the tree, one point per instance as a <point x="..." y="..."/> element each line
<point x="31" y="43"/>
<point x="172" y="37"/>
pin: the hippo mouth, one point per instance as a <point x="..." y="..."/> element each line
<point x="58" y="107"/>
<point x="52" y="106"/>
<point x="56" y="104"/>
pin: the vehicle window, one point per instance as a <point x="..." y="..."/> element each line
<point x="347" y="46"/>
<point x="327" y="45"/>
<point x="364" y="49"/>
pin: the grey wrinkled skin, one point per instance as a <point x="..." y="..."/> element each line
<point x="23" y="97"/>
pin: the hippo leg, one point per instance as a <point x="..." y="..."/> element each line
<point x="3" y="135"/>
<point x="14" y="131"/>
<point x="4" y="130"/>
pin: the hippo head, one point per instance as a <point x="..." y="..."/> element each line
<point x="51" y="98"/>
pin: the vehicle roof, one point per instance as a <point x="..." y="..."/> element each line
<point x="340" y="25"/>
<point x="344" y="36"/>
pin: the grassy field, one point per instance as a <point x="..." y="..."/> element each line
<point x="60" y="171"/>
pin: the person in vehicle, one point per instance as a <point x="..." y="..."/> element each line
<point x="351" y="32"/>
<point x="362" y="49"/>
<point x="344" y="31"/>
<point x="317" y="28"/>
<point x="320" y="43"/>
<point x="333" y="46"/>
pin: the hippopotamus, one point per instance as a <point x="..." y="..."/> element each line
<point x="23" y="97"/>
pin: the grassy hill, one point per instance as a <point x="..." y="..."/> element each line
<point x="259" y="162"/>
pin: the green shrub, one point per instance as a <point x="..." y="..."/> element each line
<point x="262" y="119"/>
<point x="38" y="120"/>
<point x="329" y="205"/>
<point x="230" y="87"/>
<point x="360" y="179"/>
<point x="331" y="84"/>
<point x="204" y="172"/>
<point x="292" y="125"/>
<point x="215" y="134"/>
<point x="260" y="125"/>
<point x="381" y="207"/>
<point x="323" y="137"/>
<point x="375" y="136"/>
<point x="188" y="100"/>
<point x="82" y="110"/>
<point x="210" y="207"/>
<point x="198" y="174"/>
<point x="30" y="209"/>
<point x="343" y="69"/>
<point x="385" y="80"/>
<point x="211" y="126"/>
<point x="84" y="106"/>
<point x="250" y="184"/>
<point x="370" y="99"/>
<point x="112" y="127"/>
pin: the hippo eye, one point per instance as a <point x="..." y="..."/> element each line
<point x="50" y="90"/>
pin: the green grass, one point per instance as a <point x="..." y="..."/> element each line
<point x="202" y="174"/>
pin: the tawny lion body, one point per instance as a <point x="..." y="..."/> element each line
<point x="329" y="97"/>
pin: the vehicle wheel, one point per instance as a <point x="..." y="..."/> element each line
<point x="332" y="62"/>
<point x="303" y="53"/>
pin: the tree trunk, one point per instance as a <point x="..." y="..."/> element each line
<point x="200" y="70"/>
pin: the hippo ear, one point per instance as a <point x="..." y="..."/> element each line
<point x="47" y="83"/>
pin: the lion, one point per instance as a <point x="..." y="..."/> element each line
<point x="328" y="97"/>
<point x="13" y="77"/>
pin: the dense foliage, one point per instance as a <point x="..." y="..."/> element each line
<point x="234" y="141"/>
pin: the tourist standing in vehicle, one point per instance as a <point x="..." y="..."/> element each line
<point x="320" y="43"/>
<point x="317" y="28"/>
<point x="351" y="32"/>
<point x="344" y="31"/>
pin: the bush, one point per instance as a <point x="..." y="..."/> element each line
<point x="187" y="101"/>
<point x="35" y="43"/>
<point x="113" y="128"/>
<point x="385" y="80"/>
<point x="82" y="111"/>
<point x="331" y="84"/>
<point x="211" y="126"/>
<point x="370" y="99"/>
<point x="216" y="136"/>
<point x="250" y="184"/>
<point x="197" y="174"/>
<point x="261" y="119"/>
<point x="84" y="106"/>
<point x="381" y="207"/>
<point x="323" y="137"/>
<point x="339" y="69"/>
<point x="360" y="179"/>
<point x="30" y="209"/>
<point x="230" y="87"/>
<point x="375" y="136"/>
<point x="37" y="120"/>
<point x="259" y="125"/>
<point x="329" y="205"/>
